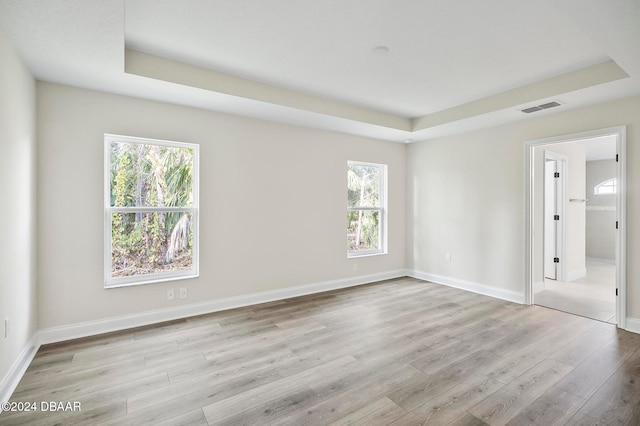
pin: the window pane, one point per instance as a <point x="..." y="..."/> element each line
<point x="607" y="190"/>
<point x="606" y="187"/>
<point x="149" y="243"/>
<point x="363" y="184"/>
<point x="363" y="230"/>
<point x="145" y="175"/>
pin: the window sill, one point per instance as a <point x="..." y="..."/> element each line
<point x="365" y="254"/>
<point x="150" y="280"/>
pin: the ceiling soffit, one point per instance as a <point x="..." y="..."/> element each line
<point x="168" y="70"/>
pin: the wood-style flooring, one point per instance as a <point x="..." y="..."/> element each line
<point x="399" y="352"/>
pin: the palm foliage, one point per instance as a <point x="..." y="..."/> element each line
<point x="364" y="212"/>
<point x="147" y="176"/>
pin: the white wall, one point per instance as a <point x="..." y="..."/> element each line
<point x="601" y="214"/>
<point x="17" y="214"/>
<point x="273" y="203"/>
<point x="466" y="196"/>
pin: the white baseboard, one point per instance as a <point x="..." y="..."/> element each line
<point x="91" y="328"/>
<point x="601" y="260"/>
<point x="538" y="287"/>
<point x="576" y="273"/>
<point x="633" y="325"/>
<point x="499" y="293"/>
<point x="15" y="373"/>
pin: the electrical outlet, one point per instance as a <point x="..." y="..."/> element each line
<point x="448" y="257"/>
<point x="170" y="294"/>
<point x="183" y="292"/>
<point x="7" y="326"/>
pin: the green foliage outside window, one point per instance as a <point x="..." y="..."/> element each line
<point x="150" y="176"/>
<point x="364" y="207"/>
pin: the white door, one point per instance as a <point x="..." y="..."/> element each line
<point x="550" y="224"/>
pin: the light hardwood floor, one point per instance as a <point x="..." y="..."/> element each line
<point x="400" y="352"/>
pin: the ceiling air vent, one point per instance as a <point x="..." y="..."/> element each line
<point x="530" y="110"/>
<point x="549" y="105"/>
<point x="541" y="107"/>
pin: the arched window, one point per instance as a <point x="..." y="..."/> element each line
<point x="606" y="187"/>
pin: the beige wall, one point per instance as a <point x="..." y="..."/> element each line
<point x="466" y="196"/>
<point x="17" y="215"/>
<point x="273" y="203"/>
<point x="463" y="192"/>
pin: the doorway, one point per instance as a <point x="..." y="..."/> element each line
<point x="565" y="269"/>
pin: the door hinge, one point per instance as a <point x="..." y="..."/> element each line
<point x="556" y="174"/>
<point x="616" y="224"/>
<point x="616" y="291"/>
<point x="556" y="260"/>
<point x="616" y="158"/>
<point x="556" y="217"/>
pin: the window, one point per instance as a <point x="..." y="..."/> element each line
<point x="606" y="187"/>
<point x="151" y="210"/>
<point x="366" y="205"/>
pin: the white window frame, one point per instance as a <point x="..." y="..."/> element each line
<point x="597" y="190"/>
<point x="111" y="282"/>
<point x="381" y="208"/>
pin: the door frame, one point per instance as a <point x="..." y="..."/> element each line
<point x="561" y="205"/>
<point x="620" y="132"/>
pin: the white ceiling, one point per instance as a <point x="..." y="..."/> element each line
<point x="451" y="66"/>
<point x="600" y="148"/>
